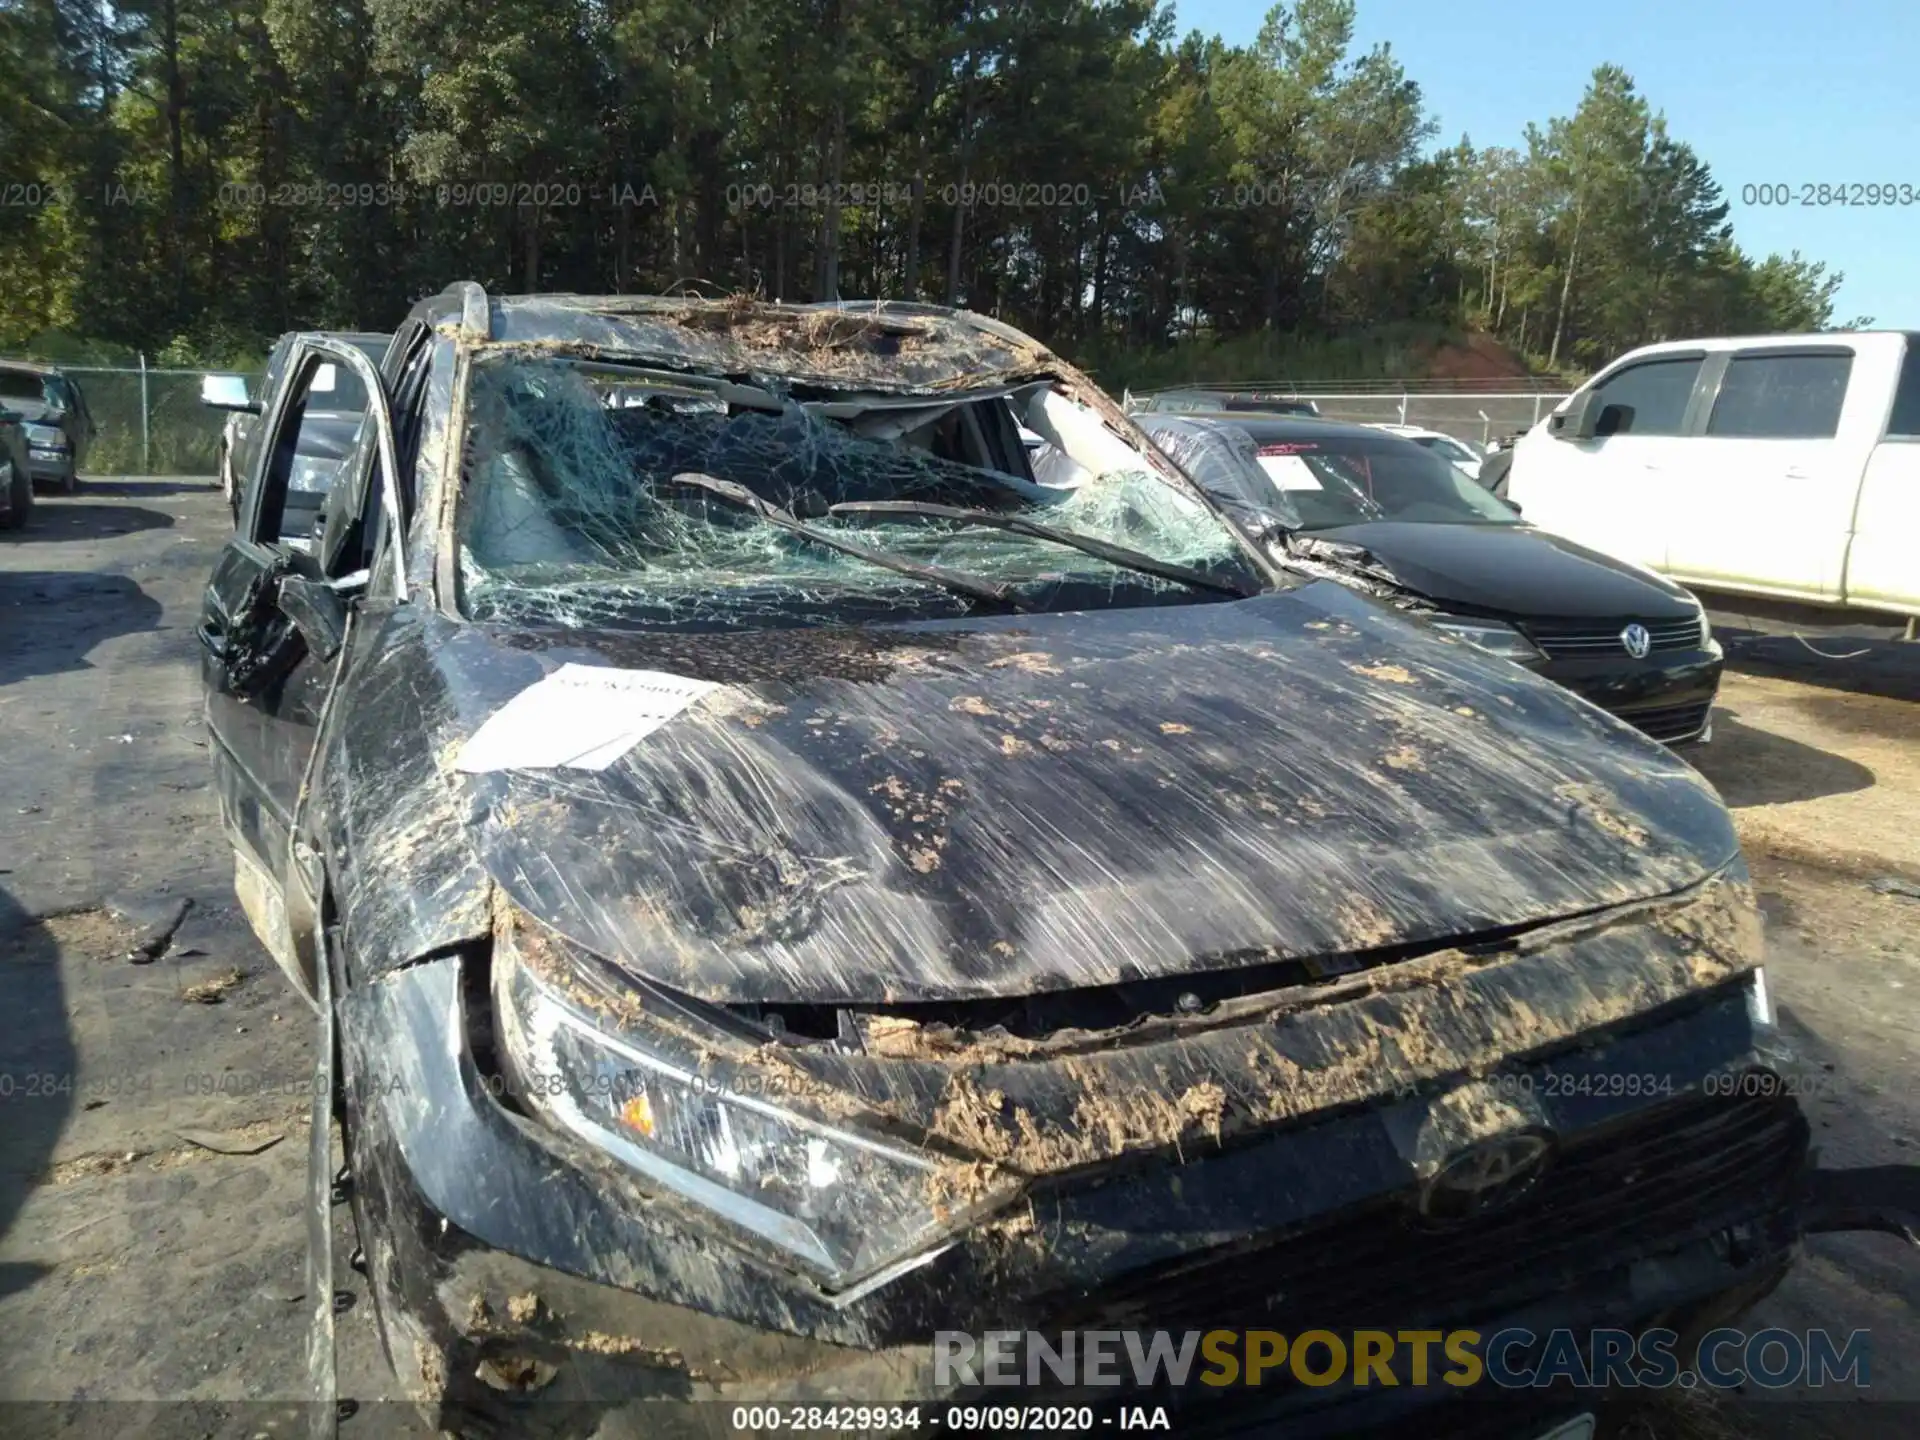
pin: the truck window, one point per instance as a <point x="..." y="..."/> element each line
<point x="1781" y="397"/>
<point x="1904" y="422"/>
<point x="1646" y="399"/>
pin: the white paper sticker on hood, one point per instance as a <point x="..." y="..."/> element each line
<point x="581" y="717"/>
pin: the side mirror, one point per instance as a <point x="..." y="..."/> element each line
<point x="318" y="611"/>
<point x="1578" y="420"/>
<point x="227" y="392"/>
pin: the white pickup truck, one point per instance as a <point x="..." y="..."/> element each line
<point x="1782" y="466"/>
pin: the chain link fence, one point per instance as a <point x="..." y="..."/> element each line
<point x="1472" y="410"/>
<point x="1474" y="418"/>
<point x="149" y="421"/>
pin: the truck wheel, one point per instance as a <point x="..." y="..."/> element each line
<point x="19" y="487"/>
<point x="70" y="482"/>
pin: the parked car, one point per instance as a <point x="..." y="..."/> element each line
<point x="1785" y="466"/>
<point x="776" y="881"/>
<point x="55" y="420"/>
<point x="1456" y="452"/>
<point x="1265" y="402"/>
<point x="1394" y="518"/>
<point x="326" y="432"/>
<point x="1494" y="471"/>
<point x="16" y="479"/>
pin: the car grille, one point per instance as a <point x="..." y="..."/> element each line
<point x="1645" y="1186"/>
<point x="1671" y="722"/>
<point x="1575" y="639"/>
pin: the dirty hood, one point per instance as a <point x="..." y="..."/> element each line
<point x="1000" y="806"/>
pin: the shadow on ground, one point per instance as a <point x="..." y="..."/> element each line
<point x="1859" y="664"/>
<point x="36" y="1070"/>
<point x="136" y="487"/>
<point x="1757" y="767"/>
<point x="55" y="617"/>
<point x="54" y="522"/>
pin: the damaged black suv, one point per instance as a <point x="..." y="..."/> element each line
<point x="804" y="830"/>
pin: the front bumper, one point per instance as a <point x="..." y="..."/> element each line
<point x="1669" y="695"/>
<point x="512" y="1272"/>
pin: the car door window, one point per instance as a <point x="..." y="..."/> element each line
<point x="1649" y="398"/>
<point x="357" y="535"/>
<point x="1904" y="422"/>
<point x="1781" y="396"/>
<point x="337" y="388"/>
<point x="303" y="457"/>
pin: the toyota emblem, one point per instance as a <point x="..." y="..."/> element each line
<point x="1483" y="1178"/>
<point x="1637" y="640"/>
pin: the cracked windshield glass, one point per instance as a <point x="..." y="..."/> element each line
<point x="599" y="494"/>
<point x="1342" y="481"/>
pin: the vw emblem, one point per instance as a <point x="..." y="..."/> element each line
<point x="1488" y="1176"/>
<point x="1637" y="640"/>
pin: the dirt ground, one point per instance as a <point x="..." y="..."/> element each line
<point x="153" y="1110"/>
<point x="1825" y="788"/>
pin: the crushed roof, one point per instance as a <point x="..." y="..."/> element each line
<point x="880" y="345"/>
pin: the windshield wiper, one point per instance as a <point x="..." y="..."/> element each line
<point x="1120" y="555"/>
<point x="939" y="575"/>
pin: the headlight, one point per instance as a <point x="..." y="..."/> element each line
<point x="1706" y="629"/>
<point x="843" y="1205"/>
<point x="312" y="474"/>
<point x="47" y="437"/>
<point x="1491" y="636"/>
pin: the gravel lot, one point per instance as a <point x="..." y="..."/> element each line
<point x="153" y="1115"/>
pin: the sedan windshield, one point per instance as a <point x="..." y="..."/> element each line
<point x="1446" y="448"/>
<point x="1340" y="479"/>
<point x="22" y="385"/>
<point x="600" y="494"/>
<point x="336" y="388"/>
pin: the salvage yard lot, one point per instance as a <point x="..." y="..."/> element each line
<point x="153" y="1064"/>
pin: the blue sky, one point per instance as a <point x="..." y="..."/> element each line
<point x="1764" y="91"/>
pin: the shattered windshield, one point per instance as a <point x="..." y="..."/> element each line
<point x="600" y="494"/>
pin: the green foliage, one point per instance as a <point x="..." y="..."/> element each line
<point x="209" y="174"/>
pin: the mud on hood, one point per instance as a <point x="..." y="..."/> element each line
<point x="996" y="807"/>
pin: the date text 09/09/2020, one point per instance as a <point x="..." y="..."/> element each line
<point x="864" y="1420"/>
<point x="454" y="195"/>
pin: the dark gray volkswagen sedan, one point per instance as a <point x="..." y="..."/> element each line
<point x="1397" y="521"/>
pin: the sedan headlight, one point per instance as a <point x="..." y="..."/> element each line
<point x="845" y="1206"/>
<point x="1491" y="636"/>
<point x="47" y="437"/>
